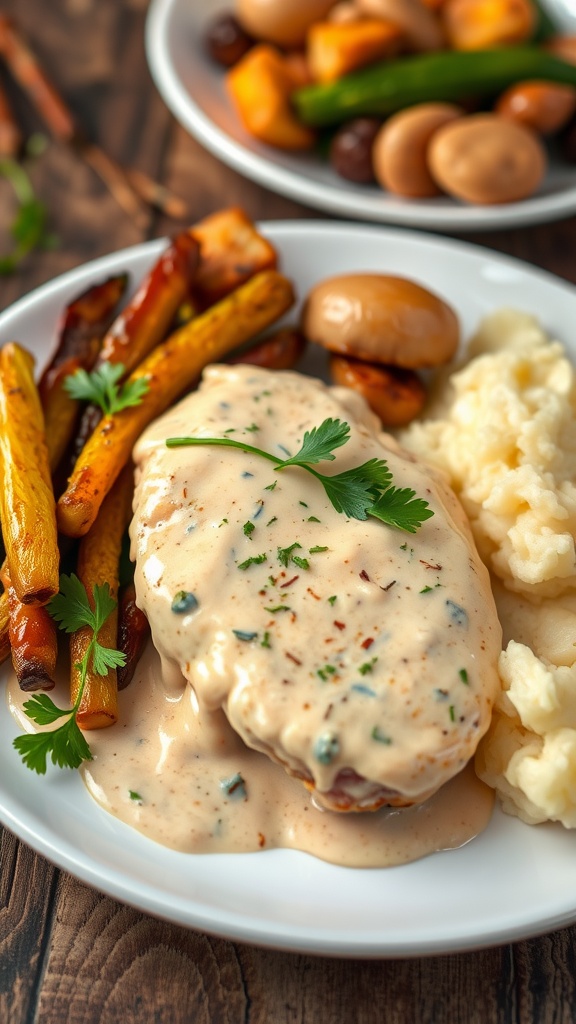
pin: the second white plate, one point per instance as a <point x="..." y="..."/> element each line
<point x="193" y="88"/>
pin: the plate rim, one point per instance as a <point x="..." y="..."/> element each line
<point x="323" y="196"/>
<point x="232" y="925"/>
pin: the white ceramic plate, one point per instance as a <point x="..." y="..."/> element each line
<point x="511" y="882"/>
<point x="193" y="88"/>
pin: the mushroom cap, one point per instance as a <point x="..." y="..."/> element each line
<point x="382" y="319"/>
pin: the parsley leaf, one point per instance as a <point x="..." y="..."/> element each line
<point x="101" y="387"/>
<point x="319" y="443"/>
<point x="42" y="709"/>
<point x="399" y="506"/>
<point x="357" y="493"/>
<point x="66" y="745"/>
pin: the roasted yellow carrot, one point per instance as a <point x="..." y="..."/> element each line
<point x="98" y="562"/>
<point x="27" y="510"/>
<point x="168" y="370"/>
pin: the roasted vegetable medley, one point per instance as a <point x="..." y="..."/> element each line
<point x="421" y="97"/>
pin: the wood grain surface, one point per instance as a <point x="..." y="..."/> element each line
<point x="69" y="955"/>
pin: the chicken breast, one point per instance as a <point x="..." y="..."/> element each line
<point x="360" y="657"/>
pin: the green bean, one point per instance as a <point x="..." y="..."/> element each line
<point x="449" y="75"/>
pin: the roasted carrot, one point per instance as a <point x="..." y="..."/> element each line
<point x="32" y="637"/>
<point x="82" y="328"/>
<point x="133" y="633"/>
<point x="98" y="563"/>
<point x="27" y="511"/>
<point x="4" y="625"/>
<point x="280" y="351"/>
<point x="84" y="323"/>
<point x="168" y="370"/>
<point x="147" y="317"/>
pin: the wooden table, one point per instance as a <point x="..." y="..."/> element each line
<point x="67" y="953"/>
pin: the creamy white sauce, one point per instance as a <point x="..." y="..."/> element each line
<point x="161" y="770"/>
<point x="386" y="646"/>
<point x="361" y="658"/>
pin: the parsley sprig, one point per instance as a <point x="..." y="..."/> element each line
<point x="66" y="744"/>
<point x="357" y="493"/>
<point x="101" y="387"/>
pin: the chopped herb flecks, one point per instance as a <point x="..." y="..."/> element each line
<point x="362" y="688"/>
<point x="271" y="487"/>
<point x="380" y="736"/>
<point x="451" y="713"/>
<point x="265" y="641"/>
<point x="242" y="634"/>
<point x="332" y="599"/>
<point x="285" y="554"/>
<point x="317" y="550"/>
<point x="457" y="614"/>
<point x="234" y="787"/>
<point x="326" y="748"/>
<point x="273" y="520"/>
<point x="302" y="563"/>
<point x="248" y="529"/>
<point x="278" y="608"/>
<point x="367" y="666"/>
<point x="134" y="795"/>
<point x="184" y="601"/>
<point x="312" y="519"/>
<point x="463" y="676"/>
<point x="255" y="560"/>
<point x="325" y="672"/>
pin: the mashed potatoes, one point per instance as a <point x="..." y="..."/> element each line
<point x="504" y="430"/>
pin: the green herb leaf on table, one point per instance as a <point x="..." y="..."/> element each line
<point x="66" y="745"/>
<point x="359" y="492"/>
<point x="102" y="388"/>
<point x="29" y="228"/>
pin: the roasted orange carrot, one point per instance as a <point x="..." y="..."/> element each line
<point x="144" y="322"/>
<point x="98" y="562"/>
<point x="133" y="633"/>
<point x="32" y="637"/>
<point x="168" y="371"/>
<point x="85" y="321"/>
<point x="27" y="510"/>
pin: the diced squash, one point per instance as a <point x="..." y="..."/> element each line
<point x="260" y="86"/>
<point x="482" y="24"/>
<point x="335" y="49"/>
